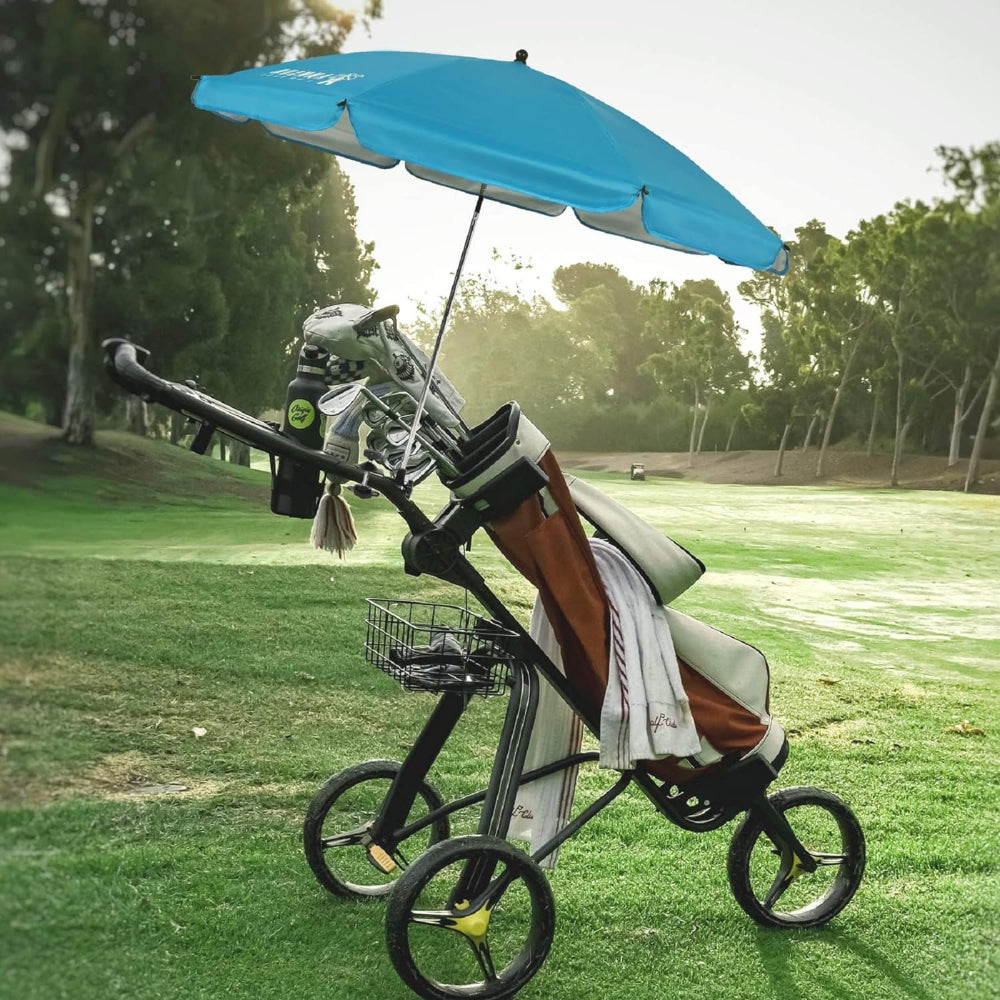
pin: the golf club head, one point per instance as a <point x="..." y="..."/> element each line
<point x="338" y="399"/>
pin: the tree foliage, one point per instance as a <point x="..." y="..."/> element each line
<point x="124" y="212"/>
<point x="135" y="213"/>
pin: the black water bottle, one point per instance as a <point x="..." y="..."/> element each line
<point x="297" y="488"/>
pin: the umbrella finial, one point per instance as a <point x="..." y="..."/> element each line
<point x="521" y="56"/>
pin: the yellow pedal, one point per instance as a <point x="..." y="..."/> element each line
<point x="382" y="859"/>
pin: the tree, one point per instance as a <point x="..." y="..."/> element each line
<point x="30" y="319"/>
<point x="618" y="323"/>
<point x="90" y="86"/>
<point x="501" y="346"/>
<point x="833" y="322"/>
<point x="887" y="250"/>
<point x="975" y="174"/>
<point x="699" y="340"/>
<point x="793" y="383"/>
<point x="953" y="263"/>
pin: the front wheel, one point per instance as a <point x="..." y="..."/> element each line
<point x="336" y="826"/>
<point x="447" y="941"/>
<point x="767" y="878"/>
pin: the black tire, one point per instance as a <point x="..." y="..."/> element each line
<point x="348" y="802"/>
<point x="758" y="872"/>
<point x="436" y="959"/>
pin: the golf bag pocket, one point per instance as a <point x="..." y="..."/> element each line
<point x="727" y="684"/>
<point x="667" y="567"/>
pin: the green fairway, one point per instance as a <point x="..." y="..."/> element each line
<point x="148" y="598"/>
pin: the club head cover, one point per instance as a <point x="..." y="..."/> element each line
<point x="370" y="339"/>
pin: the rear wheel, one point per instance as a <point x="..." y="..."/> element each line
<point x="767" y="879"/>
<point x="336" y="831"/>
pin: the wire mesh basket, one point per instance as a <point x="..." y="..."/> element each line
<point x="438" y="647"/>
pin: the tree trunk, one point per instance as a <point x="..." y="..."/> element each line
<point x="874" y="424"/>
<point x="781" y="449"/>
<point x="897" y="452"/>
<point x="958" y="418"/>
<point x="897" y="445"/>
<point x="694" y="428"/>
<point x="176" y="426"/>
<point x="222" y="447"/>
<point x="828" y="430"/>
<point x="975" y="459"/>
<point x="239" y="453"/>
<point x="78" y="419"/>
<point x="78" y="416"/>
<point x="136" y="415"/>
<point x="809" y="431"/>
<point x="732" y="431"/>
<point x="701" y="433"/>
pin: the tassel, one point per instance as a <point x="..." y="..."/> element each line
<point x="333" y="526"/>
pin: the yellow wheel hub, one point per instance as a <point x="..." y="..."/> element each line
<point x="472" y="925"/>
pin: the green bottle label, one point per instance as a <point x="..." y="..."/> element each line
<point x="301" y="414"/>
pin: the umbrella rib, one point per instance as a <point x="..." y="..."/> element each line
<point x="440" y="337"/>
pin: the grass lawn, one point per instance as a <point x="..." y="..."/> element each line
<point x="142" y="599"/>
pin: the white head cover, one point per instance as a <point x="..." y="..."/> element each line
<point x="370" y="337"/>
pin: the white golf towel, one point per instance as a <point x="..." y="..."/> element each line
<point x="543" y="807"/>
<point x="645" y="714"/>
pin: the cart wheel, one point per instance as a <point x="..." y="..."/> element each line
<point x="487" y="947"/>
<point x="767" y="881"/>
<point x="339" y="818"/>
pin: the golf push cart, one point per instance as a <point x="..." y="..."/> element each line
<point x="474" y="916"/>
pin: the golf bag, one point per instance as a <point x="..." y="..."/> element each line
<point x="726" y="680"/>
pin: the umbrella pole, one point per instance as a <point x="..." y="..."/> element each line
<point x="440" y="337"/>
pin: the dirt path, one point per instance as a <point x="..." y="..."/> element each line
<point x="29" y="450"/>
<point x="843" y="468"/>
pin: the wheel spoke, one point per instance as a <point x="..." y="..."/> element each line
<point x="500" y="884"/>
<point x="338" y="827"/>
<point x="776" y="875"/>
<point x="482" y="952"/>
<point x="781" y="882"/>
<point x="433" y="918"/>
<point x="347" y="839"/>
<point x="828" y="859"/>
<point x="506" y="955"/>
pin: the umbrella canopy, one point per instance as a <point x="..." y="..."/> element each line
<point x="503" y="130"/>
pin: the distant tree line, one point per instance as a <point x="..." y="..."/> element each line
<point x="123" y="212"/>
<point x="893" y="330"/>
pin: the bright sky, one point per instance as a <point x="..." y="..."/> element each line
<point x="802" y="109"/>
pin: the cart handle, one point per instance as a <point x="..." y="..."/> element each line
<point x="126" y="364"/>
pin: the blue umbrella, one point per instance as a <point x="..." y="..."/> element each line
<point x="502" y="131"/>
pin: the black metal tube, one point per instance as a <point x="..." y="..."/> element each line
<point x="777" y="827"/>
<point x="504" y="780"/>
<point x="403" y="791"/>
<point x="470" y="800"/>
<point x="574" y="826"/>
<point x="125" y="368"/>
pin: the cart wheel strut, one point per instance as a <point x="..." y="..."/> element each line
<point x="770" y="882"/>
